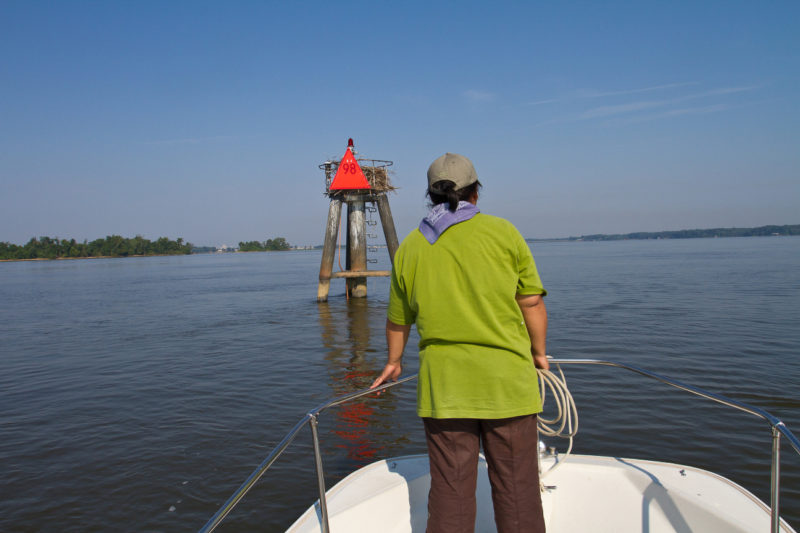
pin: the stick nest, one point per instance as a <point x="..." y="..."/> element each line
<point x="378" y="178"/>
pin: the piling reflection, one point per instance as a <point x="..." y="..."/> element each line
<point x="353" y="335"/>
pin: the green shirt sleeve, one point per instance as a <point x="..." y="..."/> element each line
<point x="529" y="281"/>
<point x="399" y="310"/>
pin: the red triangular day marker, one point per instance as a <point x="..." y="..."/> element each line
<point x="349" y="174"/>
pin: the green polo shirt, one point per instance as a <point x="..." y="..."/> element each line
<point x="475" y="353"/>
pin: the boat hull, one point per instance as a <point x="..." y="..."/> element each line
<point x="584" y="493"/>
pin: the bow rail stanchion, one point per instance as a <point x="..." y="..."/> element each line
<point x="228" y="506"/>
<point x="777" y="428"/>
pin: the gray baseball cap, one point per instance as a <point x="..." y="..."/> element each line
<point x="453" y="167"/>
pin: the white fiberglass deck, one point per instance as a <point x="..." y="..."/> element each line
<point x="585" y="494"/>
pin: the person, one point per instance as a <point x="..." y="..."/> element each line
<point x="469" y="283"/>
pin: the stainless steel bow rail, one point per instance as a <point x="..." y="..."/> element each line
<point x="777" y="426"/>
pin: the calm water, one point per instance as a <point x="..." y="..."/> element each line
<point x="137" y="394"/>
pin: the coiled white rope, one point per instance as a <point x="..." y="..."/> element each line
<point x="565" y="422"/>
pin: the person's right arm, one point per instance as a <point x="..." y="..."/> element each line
<point x="396" y="340"/>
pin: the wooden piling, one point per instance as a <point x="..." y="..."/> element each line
<point x="329" y="249"/>
<point x="357" y="247"/>
<point x="387" y="222"/>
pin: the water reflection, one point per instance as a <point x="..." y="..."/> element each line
<point x="353" y="362"/>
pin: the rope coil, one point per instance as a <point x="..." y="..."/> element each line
<point x="565" y="422"/>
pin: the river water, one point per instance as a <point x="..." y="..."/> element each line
<point x="138" y="394"/>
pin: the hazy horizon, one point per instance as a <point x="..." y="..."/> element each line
<point x="382" y="243"/>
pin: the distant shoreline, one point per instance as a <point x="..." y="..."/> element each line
<point x="151" y="255"/>
<point x="761" y="231"/>
<point x="111" y="246"/>
<point x="86" y="257"/>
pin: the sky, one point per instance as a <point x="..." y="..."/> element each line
<point x="208" y="120"/>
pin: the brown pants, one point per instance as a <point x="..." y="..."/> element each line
<point x="511" y="448"/>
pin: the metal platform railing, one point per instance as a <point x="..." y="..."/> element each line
<point x="311" y="418"/>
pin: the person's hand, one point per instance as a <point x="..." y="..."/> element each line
<point x="390" y="373"/>
<point x="541" y="361"/>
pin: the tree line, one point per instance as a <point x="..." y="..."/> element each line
<point x="761" y="231"/>
<point x="270" y="245"/>
<point x="110" y="246"/>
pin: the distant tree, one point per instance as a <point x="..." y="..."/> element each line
<point x="250" y="246"/>
<point x="203" y="249"/>
<point x="276" y="244"/>
<point x="138" y="245"/>
<point x="272" y="245"/>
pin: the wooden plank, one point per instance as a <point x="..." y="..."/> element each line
<point x="362" y="274"/>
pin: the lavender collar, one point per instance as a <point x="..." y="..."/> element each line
<point x="440" y="218"/>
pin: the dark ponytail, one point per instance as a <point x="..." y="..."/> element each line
<point x="443" y="192"/>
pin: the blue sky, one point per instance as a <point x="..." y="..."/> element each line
<point x="207" y="120"/>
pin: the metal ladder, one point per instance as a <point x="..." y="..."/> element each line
<point x="370" y="220"/>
